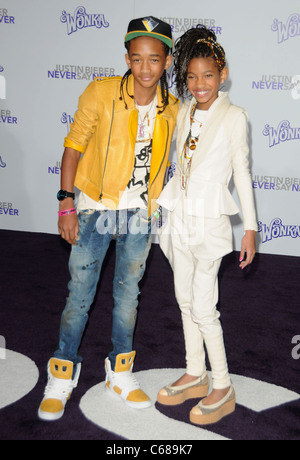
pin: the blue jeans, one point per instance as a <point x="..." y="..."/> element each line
<point x="132" y="231"/>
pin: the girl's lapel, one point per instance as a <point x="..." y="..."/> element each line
<point x="183" y="120"/>
<point x="216" y="115"/>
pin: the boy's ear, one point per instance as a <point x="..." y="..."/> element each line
<point x="127" y="59"/>
<point x="168" y="61"/>
<point x="224" y="74"/>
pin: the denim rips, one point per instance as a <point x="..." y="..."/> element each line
<point x="132" y="231"/>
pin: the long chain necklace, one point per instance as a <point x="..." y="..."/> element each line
<point x="188" y="151"/>
<point x="144" y="131"/>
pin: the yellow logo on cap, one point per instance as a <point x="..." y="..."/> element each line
<point x="150" y="24"/>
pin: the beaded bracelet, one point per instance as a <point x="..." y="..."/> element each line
<point x="66" y="212"/>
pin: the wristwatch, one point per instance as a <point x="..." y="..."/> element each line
<point x="63" y="194"/>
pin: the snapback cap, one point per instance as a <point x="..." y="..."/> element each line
<point x="151" y="27"/>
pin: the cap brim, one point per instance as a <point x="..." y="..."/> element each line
<point x="139" y="33"/>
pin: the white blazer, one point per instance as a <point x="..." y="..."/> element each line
<point x="222" y="149"/>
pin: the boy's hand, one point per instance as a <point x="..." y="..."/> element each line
<point x="248" y="249"/>
<point x="68" y="226"/>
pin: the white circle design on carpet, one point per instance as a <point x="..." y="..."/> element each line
<point x="111" y="414"/>
<point x="18" y="376"/>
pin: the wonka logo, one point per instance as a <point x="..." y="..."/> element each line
<point x="276" y="229"/>
<point x="289" y="30"/>
<point x="81" y="20"/>
<point x="284" y="132"/>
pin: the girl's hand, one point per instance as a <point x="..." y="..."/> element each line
<point x="248" y="249"/>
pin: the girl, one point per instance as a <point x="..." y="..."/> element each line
<point x="211" y="144"/>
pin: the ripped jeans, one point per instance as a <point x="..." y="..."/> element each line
<point x="132" y="231"/>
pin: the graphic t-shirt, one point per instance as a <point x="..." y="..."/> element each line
<point x="136" y="193"/>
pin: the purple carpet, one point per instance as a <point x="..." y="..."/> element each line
<point x="260" y="316"/>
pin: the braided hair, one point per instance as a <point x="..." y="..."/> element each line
<point x="197" y="42"/>
<point x="163" y="82"/>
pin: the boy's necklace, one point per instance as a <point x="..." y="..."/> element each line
<point x="144" y="130"/>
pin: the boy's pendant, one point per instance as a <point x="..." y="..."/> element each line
<point x="141" y="134"/>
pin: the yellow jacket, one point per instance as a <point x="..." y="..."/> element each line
<point x="104" y="131"/>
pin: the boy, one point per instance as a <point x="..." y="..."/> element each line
<point x="123" y="128"/>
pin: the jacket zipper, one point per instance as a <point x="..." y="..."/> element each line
<point x="106" y="156"/>
<point x="163" y="157"/>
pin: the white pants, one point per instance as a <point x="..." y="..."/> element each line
<point x="197" y="292"/>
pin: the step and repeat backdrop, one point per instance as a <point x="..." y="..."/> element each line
<point x="50" y="51"/>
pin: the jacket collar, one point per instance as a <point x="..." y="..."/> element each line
<point x="216" y="114"/>
<point x="184" y="118"/>
<point x="221" y="101"/>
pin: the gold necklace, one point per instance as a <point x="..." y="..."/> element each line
<point x="188" y="150"/>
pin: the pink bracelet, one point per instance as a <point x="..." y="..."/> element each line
<point x="66" y="212"/>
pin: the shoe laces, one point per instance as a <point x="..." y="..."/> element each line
<point x="126" y="380"/>
<point x="58" y="388"/>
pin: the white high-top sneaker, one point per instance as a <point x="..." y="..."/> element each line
<point x="122" y="383"/>
<point x="59" y="388"/>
